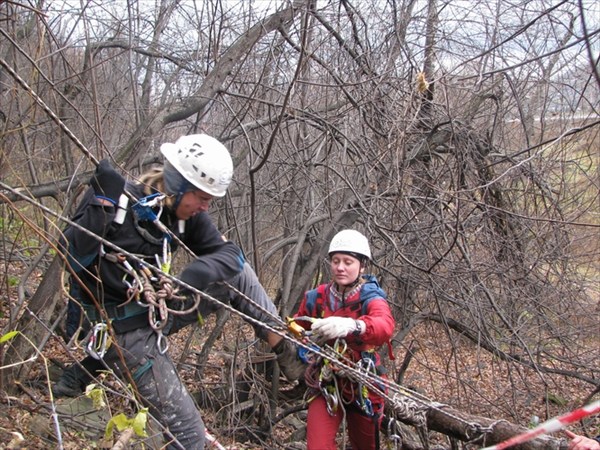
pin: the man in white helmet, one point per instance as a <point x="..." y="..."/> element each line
<point x="197" y="169"/>
<point x="353" y="308"/>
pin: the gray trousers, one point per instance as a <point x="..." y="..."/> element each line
<point x="155" y="375"/>
<point x="137" y="360"/>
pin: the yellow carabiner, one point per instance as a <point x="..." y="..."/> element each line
<point x="294" y="328"/>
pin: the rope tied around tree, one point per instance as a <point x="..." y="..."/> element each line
<point x="409" y="410"/>
<point x="479" y="431"/>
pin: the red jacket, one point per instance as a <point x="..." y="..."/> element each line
<point x="368" y="304"/>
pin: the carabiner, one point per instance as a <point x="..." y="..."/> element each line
<point x="365" y="402"/>
<point x="307" y="356"/>
<point x="153" y="318"/>
<point x="98" y="340"/>
<point x="368" y="364"/>
<point x="165" y="266"/>
<point x="340" y="346"/>
<point x="331" y="400"/>
<point x="133" y="291"/>
<point x="294" y="328"/>
<point x="162" y="343"/>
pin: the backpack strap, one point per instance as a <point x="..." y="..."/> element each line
<point x="370" y="290"/>
<point x="314" y="303"/>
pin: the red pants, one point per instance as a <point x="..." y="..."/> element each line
<point x="321" y="428"/>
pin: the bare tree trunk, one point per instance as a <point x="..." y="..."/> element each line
<point x="32" y="324"/>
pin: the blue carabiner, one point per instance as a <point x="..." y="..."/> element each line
<point x="143" y="207"/>
<point x="307" y="356"/>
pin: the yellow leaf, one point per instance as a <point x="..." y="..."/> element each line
<point x="120" y="421"/>
<point x="8" y="336"/>
<point x="139" y="423"/>
<point x="96" y="395"/>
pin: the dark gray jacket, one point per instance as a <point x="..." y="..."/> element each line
<point x="216" y="260"/>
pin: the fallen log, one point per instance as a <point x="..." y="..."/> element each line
<point x="475" y="430"/>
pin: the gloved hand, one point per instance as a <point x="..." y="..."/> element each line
<point x="107" y="183"/>
<point x="196" y="274"/>
<point x="287" y="358"/>
<point x="333" y="327"/>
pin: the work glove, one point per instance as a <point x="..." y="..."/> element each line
<point x="287" y="358"/>
<point x="107" y="183"/>
<point x="333" y="327"/>
<point x="197" y="273"/>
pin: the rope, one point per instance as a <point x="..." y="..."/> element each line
<point x="405" y="404"/>
<point x="409" y="404"/>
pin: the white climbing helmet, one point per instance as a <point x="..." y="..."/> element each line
<point x="201" y="160"/>
<point x="350" y="241"/>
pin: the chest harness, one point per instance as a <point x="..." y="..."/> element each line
<point x="146" y="292"/>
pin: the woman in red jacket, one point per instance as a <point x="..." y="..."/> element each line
<point x="351" y="314"/>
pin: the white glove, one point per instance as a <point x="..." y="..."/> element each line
<point x="334" y="327"/>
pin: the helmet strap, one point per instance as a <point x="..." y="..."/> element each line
<point x="186" y="186"/>
<point x="178" y="198"/>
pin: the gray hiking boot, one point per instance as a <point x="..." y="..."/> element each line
<point x="71" y="383"/>
<point x="289" y="363"/>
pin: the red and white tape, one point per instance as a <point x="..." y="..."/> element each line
<point x="212" y="442"/>
<point x="549" y="426"/>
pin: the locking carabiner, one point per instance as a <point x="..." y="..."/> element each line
<point x="331" y="399"/>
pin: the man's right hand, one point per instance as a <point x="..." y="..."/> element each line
<point x="287" y="358"/>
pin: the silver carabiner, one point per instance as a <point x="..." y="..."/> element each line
<point x="162" y="343"/>
<point x="96" y="346"/>
<point x="331" y="401"/>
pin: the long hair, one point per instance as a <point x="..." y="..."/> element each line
<point x="153" y="181"/>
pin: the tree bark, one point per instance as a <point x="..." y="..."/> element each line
<point x="484" y="431"/>
<point x="32" y="326"/>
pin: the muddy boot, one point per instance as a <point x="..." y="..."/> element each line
<point x="72" y="382"/>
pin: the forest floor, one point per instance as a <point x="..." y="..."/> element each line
<point x="455" y="373"/>
<point x="472" y="382"/>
